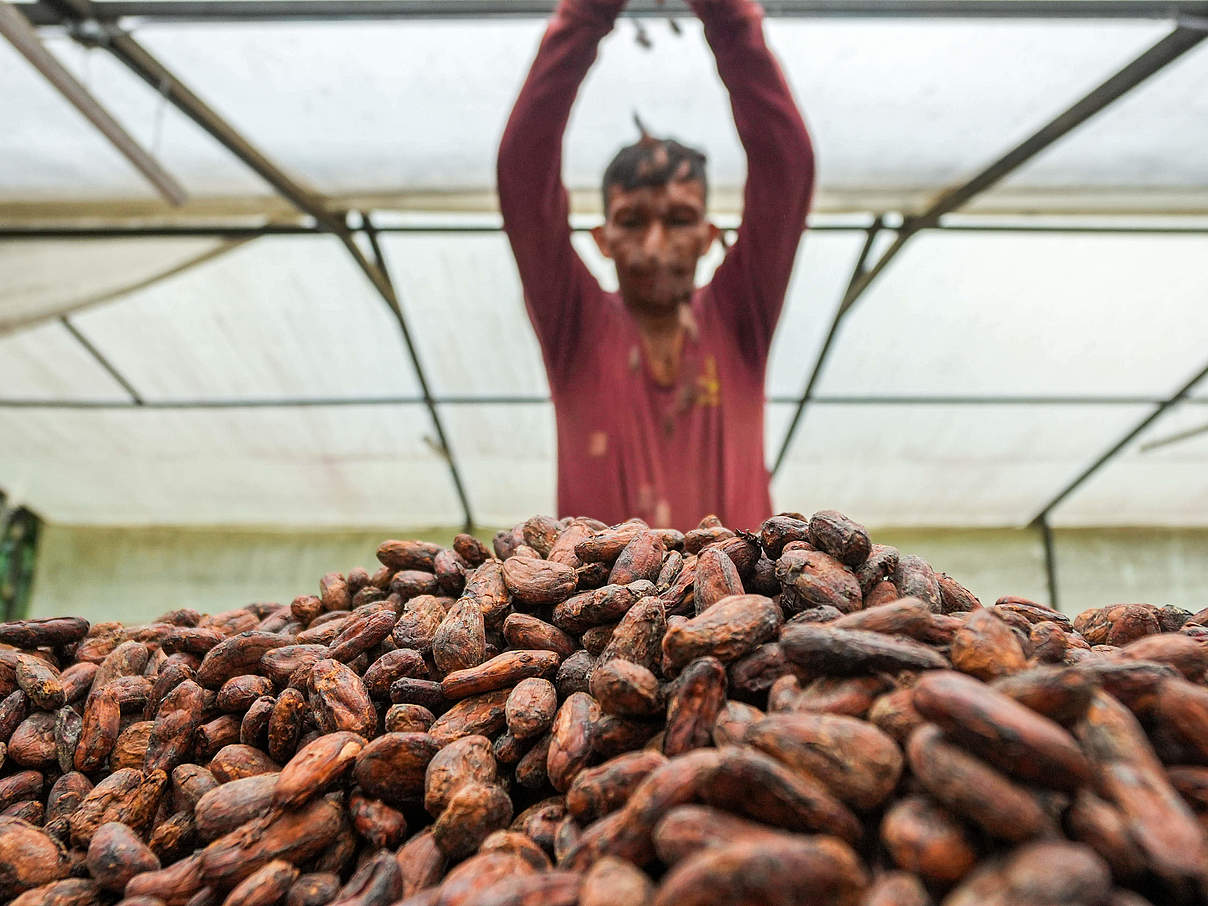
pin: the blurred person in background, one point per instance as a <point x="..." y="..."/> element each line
<point x="658" y="389"/>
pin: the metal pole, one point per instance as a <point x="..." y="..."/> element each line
<point x="21" y="34"/>
<point x="535" y="400"/>
<point x="233" y="231"/>
<point x="84" y="16"/>
<point x="1161" y="54"/>
<point x="176" y="11"/>
<point x="869" y="239"/>
<point x="391" y="298"/>
<point x="102" y="361"/>
<point x="1165" y="51"/>
<point x="1107" y="457"/>
<point x="1050" y="562"/>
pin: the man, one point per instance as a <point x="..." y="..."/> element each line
<point x="658" y="390"/>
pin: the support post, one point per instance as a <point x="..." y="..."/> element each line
<point x="1050" y="562"/>
<point x="389" y="295"/>
<point x="1177" y="397"/>
<point x="865" y="251"/>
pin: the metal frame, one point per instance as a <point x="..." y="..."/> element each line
<point x="44" y="13"/>
<point x="1180" y="395"/>
<point x="98" y="24"/>
<point x="24" y="38"/>
<point x="84" y="20"/>
<point x="1050" y="563"/>
<point x="521" y="399"/>
<point x="101" y="360"/>
<point x="396" y="308"/>
<point x="1168" y="49"/>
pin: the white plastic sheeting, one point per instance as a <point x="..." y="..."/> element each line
<point x="55" y="277"/>
<point x="280" y="317"/>
<point x="394" y="115"/>
<point x="898" y="109"/>
<point x="1029" y="314"/>
<point x="47" y="363"/>
<point x="288" y="317"/>
<point x="312" y="467"/>
<point x="944" y="465"/>
<point x="1167" y="483"/>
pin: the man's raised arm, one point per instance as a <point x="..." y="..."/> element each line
<point x="532" y="198"/>
<point x="750" y="284"/>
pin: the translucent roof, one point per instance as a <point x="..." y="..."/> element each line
<point x="389" y="109"/>
<point x="202" y="373"/>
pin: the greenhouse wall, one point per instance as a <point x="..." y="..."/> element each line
<point x="134" y="574"/>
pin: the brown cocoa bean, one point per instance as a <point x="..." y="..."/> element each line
<point x="1002" y="731"/>
<point x="116" y="854"/>
<point x="782" y="872"/>
<point x="392" y="766"/>
<point x="923" y="837"/>
<point x="972" y="789"/>
<point x="571" y="739"/>
<point x="857" y="762"/>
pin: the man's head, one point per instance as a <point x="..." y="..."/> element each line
<point x="655" y="228"/>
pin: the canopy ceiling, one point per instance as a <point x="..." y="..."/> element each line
<point x="199" y="370"/>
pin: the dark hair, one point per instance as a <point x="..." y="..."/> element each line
<point x="654" y="162"/>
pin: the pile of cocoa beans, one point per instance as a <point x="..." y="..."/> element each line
<point x="612" y="716"/>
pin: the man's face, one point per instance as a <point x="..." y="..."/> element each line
<point x="656" y="235"/>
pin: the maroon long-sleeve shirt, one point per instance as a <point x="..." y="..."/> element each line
<point x="628" y="446"/>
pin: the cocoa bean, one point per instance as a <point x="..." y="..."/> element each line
<point x="775" y="872"/>
<point x="116" y="854"/>
<point x="972" y="789"/>
<point x="924" y="838"/>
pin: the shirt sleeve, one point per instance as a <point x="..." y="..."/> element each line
<point x="532" y="199"/>
<point x="750" y="284"/>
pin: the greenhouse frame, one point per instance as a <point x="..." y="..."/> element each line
<point x="255" y="276"/>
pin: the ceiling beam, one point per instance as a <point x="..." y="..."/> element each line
<point x="22" y="36"/>
<point x="185" y="11"/>
<point x="522" y="399"/>
<point x="234" y="232"/>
